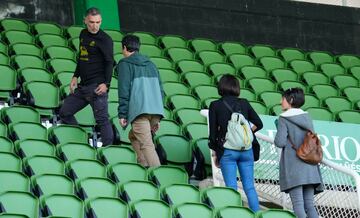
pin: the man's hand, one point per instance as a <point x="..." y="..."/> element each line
<point x="123" y="122"/>
<point x="155" y="127"/>
<point x="101" y="89"/>
<point x="73" y="84"/>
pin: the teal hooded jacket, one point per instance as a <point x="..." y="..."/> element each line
<point x="140" y="88"/>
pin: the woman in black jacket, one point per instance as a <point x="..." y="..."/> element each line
<point x="228" y="159"/>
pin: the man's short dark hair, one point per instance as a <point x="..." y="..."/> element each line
<point x="92" y="11"/>
<point x="229" y="85"/>
<point x="131" y="42"/>
<point x="295" y="97"/>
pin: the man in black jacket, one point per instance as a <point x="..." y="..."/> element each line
<point x="94" y="68"/>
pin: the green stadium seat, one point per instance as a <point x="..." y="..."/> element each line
<point x="103" y="207"/>
<point x="259" y="51"/>
<point x="323" y="91"/>
<point x="260" y="85"/>
<point x="162" y="62"/>
<point x="314" y="78"/>
<point x="133" y="191"/>
<point x="270" y="98"/>
<point x="7" y="82"/>
<point x="189" y="210"/>
<point x="14" y="24"/>
<point x="25" y="49"/>
<point x="348" y="61"/>
<point x="218" y="197"/>
<point x="23" y="61"/>
<point x="249" y="72"/>
<point x="72" y="151"/>
<point x="74" y="31"/>
<point x="310" y="101"/>
<point x="195" y="78"/>
<point x="10" y="203"/>
<point x="189" y="65"/>
<point x="284" y="85"/>
<point x="358" y="105"/>
<point x="121" y="134"/>
<point x="349" y="116"/>
<point x="301" y="66"/>
<point x="210" y="57"/>
<point x="66" y="133"/>
<point x="352" y="93"/>
<point x="48" y="28"/>
<point x="85" y="118"/>
<point x="168" y="127"/>
<point x="115" y="35"/>
<point x="189" y="115"/>
<point x="15" y="36"/>
<point x="271" y="63"/>
<point x="177" y="151"/>
<point x="83" y="168"/>
<point x="9" y="161"/>
<point x="59" y="52"/>
<point x="344" y="81"/>
<point x="241" y="81"/>
<point x="124" y="172"/>
<point x="177" y="194"/>
<point x="31" y="147"/>
<point x="48" y="184"/>
<point x="13" y="215"/>
<point x="280" y="75"/>
<point x="59" y="64"/>
<point x="62" y="78"/>
<point x="168" y="75"/>
<point x="6" y="145"/>
<point x="206" y="103"/>
<point x="337" y="104"/>
<point x="117" y="47"/>
<point x="259" y="107"/>
<point x="113" y="94"/>
<point x="113" y="154"/>
<point x="3" y="129"/>
<point x="170" y="41"/>
<point x="62" y="205"/>
<point x="205" y="91"/>
<point x="332" y="69"/>
<point x="40" y="164"/>
<point x="4" y="59"/>
<point x="27" y="130"/>
<point x="45" y="40"/>
<point x="166" y="175"/>
<point x="276" y="213"/>
<point x="75" y="42"/>
<point x="34" y="74"/>
<point x="93" y="187"/>
<point x="217" y="69"/>
<point x="240" y="60"/>
<point x="229" y="48"/>
<point x="233" y="211"/>
<point x="183" y="101"/>
<point x="320" y="57"/>
<point x="145" y="37"/>
<point x="172" y="88"/>
<point x="276" y="110"/>
<point x="3" y="47"/>
<point x="118" y="57"/>
<point x="113" y="109"/>
<point x="168" y="113"/>
<point x="14" y="181"/>
<point x="179" y="53"/>
<point x="319" y="113"/>
<point x="199" y="44"/>
<point x="150" y="209"/>
<point x="150" y="50"/>
<point x="355" y="71"/>
<point x="195" y="131"/>
<point x="290" y="54"/>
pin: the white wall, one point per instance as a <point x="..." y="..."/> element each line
<point x="350" y="3"/>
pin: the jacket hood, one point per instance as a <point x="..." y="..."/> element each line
<point x="298" y="116"/>
<point x="137" y="59"/>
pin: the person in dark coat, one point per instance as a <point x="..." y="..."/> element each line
<point x="230" y="159"/>
<point x="301" y="180"/>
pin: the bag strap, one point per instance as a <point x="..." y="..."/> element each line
<point x="292" y="144"/>
<point x="228" y="106"/>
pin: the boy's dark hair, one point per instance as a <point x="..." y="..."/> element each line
<point x="92" y="11"/>
<point x="131" y="42"/>
<point x="295" y="97"/>
<point x="229" y="85"/>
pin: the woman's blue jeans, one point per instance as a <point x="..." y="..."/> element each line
<point x="244" y="161"/>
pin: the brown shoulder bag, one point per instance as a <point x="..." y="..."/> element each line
<point x="310" y="151"/>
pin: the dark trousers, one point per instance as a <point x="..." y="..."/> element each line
<point x="83" y="96"/>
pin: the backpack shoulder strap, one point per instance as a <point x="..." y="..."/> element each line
<point x="292" y="144"/>
<point x="228" y="106"/>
